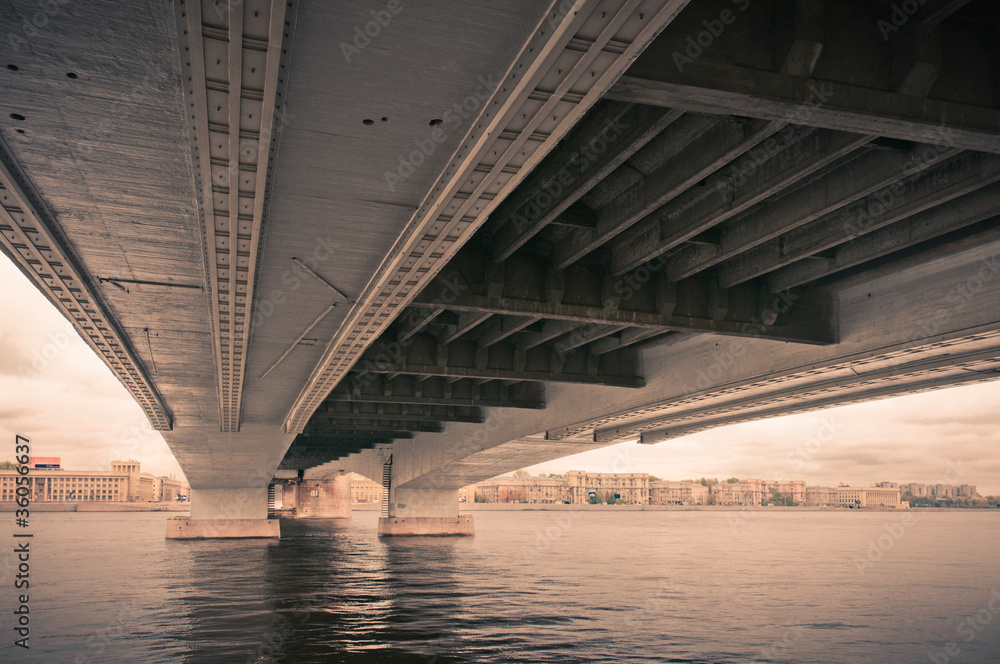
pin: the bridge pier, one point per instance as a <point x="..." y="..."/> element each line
<point x="225" y="513"/>
<point x="324" y="499"/>
<point x="426" y="511"/>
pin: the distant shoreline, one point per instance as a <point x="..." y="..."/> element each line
<point x="562" y="507"/>
<point x="487" y="507"/>
<point x="88" y="506"/>
<point x="556" y="507"/>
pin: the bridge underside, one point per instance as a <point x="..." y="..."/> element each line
<point x="698" y="243"/>
<point x="303" y="236"/>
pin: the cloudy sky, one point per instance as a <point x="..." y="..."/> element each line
<point x="57" y="392"/>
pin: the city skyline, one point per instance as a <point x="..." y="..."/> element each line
<point x="293" y="290"/>
<point x="57" y="392"/>
<point x="653" y="477"/>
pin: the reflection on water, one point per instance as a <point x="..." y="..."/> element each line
<point x="822" y="587"/>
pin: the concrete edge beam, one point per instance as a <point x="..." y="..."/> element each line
<point x="182" y="527"/>
<point x="426" y="526"/>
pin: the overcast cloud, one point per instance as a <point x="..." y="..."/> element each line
<point x="57" y="392"/>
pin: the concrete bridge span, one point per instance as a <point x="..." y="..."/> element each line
<point x="310" y="237"/>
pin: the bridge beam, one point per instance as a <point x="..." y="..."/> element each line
<point x="645" y="302"/>
<point x="925" y="226"/>
<point x="499" y="152"/>
<point x="324" y="425"/>
<point x="234" y="161"/>
<point x="909" y="197"/>
<point x="694" y="161"/>
<point x="732" y="90"/>
<point x="461" y="360"/>
<point x="345" y="410"/>
<point x="866" y="175"/>
<point x="32" y="238"/>
<point x="778" y="163"/>
<point x="438" y="392"/>
<point x="917" y="327"/>
<point x="620" y="130"/>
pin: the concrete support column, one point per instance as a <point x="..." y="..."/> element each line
<point x="324" y="499"/>
<point x="225" y="513"/>
<point x="425" y="512"/>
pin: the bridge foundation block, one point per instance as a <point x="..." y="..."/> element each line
<point x="182" y="527"/>
<point x="324" y="499"/>
<point x="430" y="526"/>
<point x="425" y="512"/>
<point x="225" y="513"/>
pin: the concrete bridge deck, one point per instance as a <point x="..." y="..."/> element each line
<point x="310" y="237"/>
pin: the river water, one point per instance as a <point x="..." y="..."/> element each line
<point x="683" y="586"/>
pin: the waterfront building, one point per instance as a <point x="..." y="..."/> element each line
<point x="523" y="490"/>
<point x="632" y="488"/>
<point x="871" y="496"/>
<point x="142" y="487"/>
<point x="677" y="493"/>
<point x="915" y="489"/>
<point x="744" y="492"/>
<point x="820" y="496"/>
<point x="952" y="491"/>
<point x="939" y="490"/>
<point x="124" y="483"/>
<point x="67" y="486"/>
<point x="577" y="487"/>
<point x="794" y="488"/>
<point x="364" y="490"/>
<point x="172" y="489"/>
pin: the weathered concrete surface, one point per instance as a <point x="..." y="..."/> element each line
<point x="229" y="460"/>
<point x="332" y="499"/>
<point x="424" y="511"/>
<point x="181" y="527"/>
<point x="565" y="62"/>
<point x="331" y="205"/>
<point x="367" y="463"/>
<point x="107" y="150"/>
<point x="229" y="503"/>
<point x="423" y="502"/>
<point x="426" y="526"/>
<point x="110" y="152"/>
